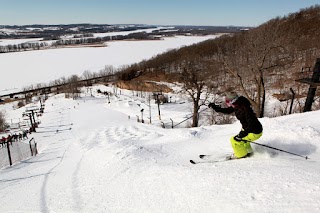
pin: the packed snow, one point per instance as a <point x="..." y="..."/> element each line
<point x="108" y="162"/>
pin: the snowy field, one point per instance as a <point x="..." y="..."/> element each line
<point x="5" y="42"/>
<point x="23" y="69"/>
<point x="108" y="162"/>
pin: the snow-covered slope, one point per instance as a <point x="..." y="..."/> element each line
<point x="108" y="162"/>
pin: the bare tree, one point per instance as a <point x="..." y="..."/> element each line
<point x="87" y="74"/>
<point x="195" y="78"/>
<point x="250" y="55"/>
<point x="106" y="73"/>
<point x="73" y="86"/>
<point x="3" y="123"/>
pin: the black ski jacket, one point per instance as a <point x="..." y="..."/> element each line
<point x="245" y="114"/>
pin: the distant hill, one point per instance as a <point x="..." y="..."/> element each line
<point x="53" y="31"/>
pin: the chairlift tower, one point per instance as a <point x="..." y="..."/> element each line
<point x="314" y="83"/>
<point x="156" y="95"/>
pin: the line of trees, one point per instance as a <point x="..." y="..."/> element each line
<point x="138" y="36"/>
<point x="23" y="47"/>
<point x="71" y="84"/>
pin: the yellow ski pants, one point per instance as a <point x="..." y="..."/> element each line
<point x="242" y="148"/>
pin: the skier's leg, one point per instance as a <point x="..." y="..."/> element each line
<point x="251" y="137"/>
<point x="248" y="148"/>
<point x="239" y="148"/>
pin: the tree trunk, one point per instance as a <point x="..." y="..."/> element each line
<point x="195" y="116"/>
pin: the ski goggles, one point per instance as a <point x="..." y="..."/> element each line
<point x="230" y="102"/>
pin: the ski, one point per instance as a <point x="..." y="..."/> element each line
<point x="214" y="159"/>
<point x="205" y="156"/>
<point x="221" y="159"/>
<point x="225" y="156"/>
<point x="209" y="161"/>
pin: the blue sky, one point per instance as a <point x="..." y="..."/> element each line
<point x="159" y="12"/>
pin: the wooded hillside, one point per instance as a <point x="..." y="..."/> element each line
<point x="264" y="60"/>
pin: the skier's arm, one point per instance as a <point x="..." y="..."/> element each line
<point x="217" y="108"/>
<point x="228" y="110"/>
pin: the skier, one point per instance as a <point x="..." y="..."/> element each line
<point x="251" y="127"/>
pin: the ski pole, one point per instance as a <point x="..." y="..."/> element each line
<point x="306" y="157"/>
<point x="189" y="118"/>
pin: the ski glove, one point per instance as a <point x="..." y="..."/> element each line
<point x="242" y="134"/>
<point x="237" y="138"/>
